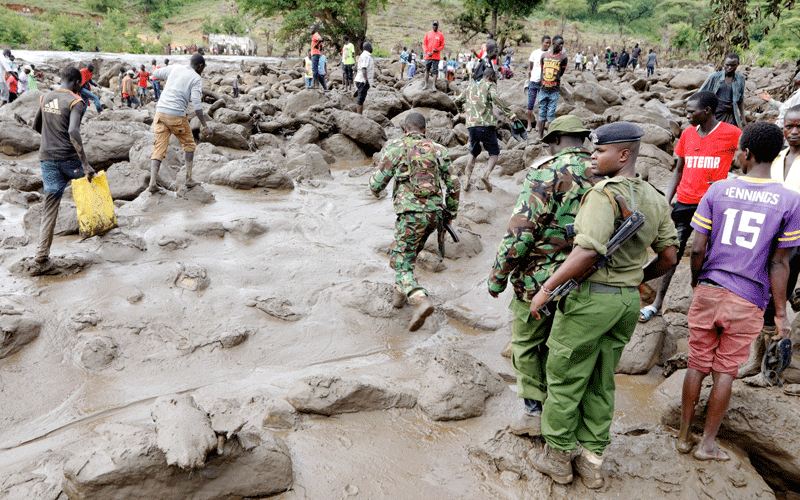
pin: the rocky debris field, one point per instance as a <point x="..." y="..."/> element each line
<point x="237" y="340"/>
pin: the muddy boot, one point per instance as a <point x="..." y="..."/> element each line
<point x="588" y="465"/>
<point x="757" y="350"/>
<point x="424" y="308"/>
<point x="399" y="299"/>
<point x="554" y="463"/>
<point x="530" y="423"/>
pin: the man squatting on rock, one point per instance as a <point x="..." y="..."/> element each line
<point x="746" y="228"/>
<point x="479" y="101"/>
<point x="593" y="324"/>
<point x="61" y="153"/>
<point x="184" y="85"/>
<point x="418" y="166"/>
<point x="534" y="246"/>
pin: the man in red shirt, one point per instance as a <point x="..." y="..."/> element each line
<point x="316" y="52"/>
<point x="86" y="93"/>
<point x="705" y="152"/>
<point x="143" y="76"/>
<point x="432" y="46"/>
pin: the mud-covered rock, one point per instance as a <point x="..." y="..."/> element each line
<point x="17" y="139"/>
<point x="66" y="223"/>
<point x="54" y="266"/>
<point x="644" y="349"/>
<point x="415" y="94"/>
<point x="17" y="329"/>
<point x="329" y="395"/>
<point x="183" y="430"/>
<point x="252" y="172"/>
<point x="98" y="352"/>
<point x="344" y="149"/>
<point x="689" y="79"/>
<point x="107" y="143"/>
<point x="361" y="129"/>
<point x="455" y="386"/>
<point x="126" y="182"/>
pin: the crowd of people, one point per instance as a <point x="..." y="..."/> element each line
<point x="746" y="229"/>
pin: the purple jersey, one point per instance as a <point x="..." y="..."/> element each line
<point x="747" y="219"/>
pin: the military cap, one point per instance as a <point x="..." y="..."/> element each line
<point x="614" y="133"/>
<point x="565" y="125"/>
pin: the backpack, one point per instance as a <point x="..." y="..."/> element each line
<point x="423" y="169"/>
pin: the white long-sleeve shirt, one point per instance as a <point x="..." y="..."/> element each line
<point x="183" y="85"/>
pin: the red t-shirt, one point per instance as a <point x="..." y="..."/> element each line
<point x="86" y="75"/>
<point x="12" y="84"/>
<point x="433" y="44"/>
<point x="706" y="158"/>
<point x="143" y="76"/>
<point x="316" y="39"/>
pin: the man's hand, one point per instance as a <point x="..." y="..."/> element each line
<point x="88" y="171"/>
<point x="538" y="301"/>
<point x="207" y="131"/>
<point x="782" y="328"/>
<point x="765" y="96"/>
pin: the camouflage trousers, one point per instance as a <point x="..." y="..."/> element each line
<point x="411" y="231"/>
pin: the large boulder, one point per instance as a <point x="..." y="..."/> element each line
<point x="513" y="92"/>
<point x="66" y="223"/>
<point x="308" y="164"/>
<point x="300" y="102"/>
<point x="17" y="139"/>
<point x="107" y="143"/>
<point x="140" y="115"/>
<point x="644" y="349"/>
<point x="17" y="329"/>
<point x="252" y="172"/>
<point x="361" y="129"/>
<point x="125" y="181"/>
<point x="329" y="395"/>
<point x="24" y="107"/>
<point x="230" y="136"/>
<point x="388" y="103"/>
<point x="228" y="116"/>
<point x="455" y="386"/>
<point x="417" y="96"/>
<point x="344" y="149"/>
<point x="141" y="151"/>
<point x="590" y="96"/>
<point x="689" y="79"/>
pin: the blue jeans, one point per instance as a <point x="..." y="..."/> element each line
<point x="157" y="89"/>
<point x="56" y="175"/>
<point x="533" y="91"/>
<point x="315" y="69"/>
<point x="88" y="96"/>
<point x="309" y="82"/>
<point x="548" y="101"/>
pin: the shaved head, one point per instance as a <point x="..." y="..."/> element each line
<point x="415" y="122"/>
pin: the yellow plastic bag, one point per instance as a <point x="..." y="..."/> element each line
<point x="95" y="206"/>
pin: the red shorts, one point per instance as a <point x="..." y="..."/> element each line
<point x="722" y="326"/>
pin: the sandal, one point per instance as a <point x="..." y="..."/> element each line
<point x="647" y="313"/>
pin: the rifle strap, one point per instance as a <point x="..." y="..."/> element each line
<point x="613" y="202"/>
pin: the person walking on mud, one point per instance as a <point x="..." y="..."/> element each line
<point x="535" y="244"/>
<point x="61" y="153"/>
<point x="419" y="166"/>
<point x="746" y="229"/>
<point x="184" y="86"/>
<point x="479" y="101"/>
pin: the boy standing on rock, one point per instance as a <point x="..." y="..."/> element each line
<point x="432" y="47"/>
<point x="705" y="152"/>
<point x="348" y="60"/>
<point x="365" y="76"/>
<point x="535" y="76"/>
<point x="479" y="101"/>
<point x="316" y="52"/>
<point x="61" y="152"/>
<point x="593" y="323"/>
<point x="554" y="63"/>
<point x="184" y="85"/>
<point x="534" y="246"/>
<point x="746" y="228"/>
<point x="418" y="166"/>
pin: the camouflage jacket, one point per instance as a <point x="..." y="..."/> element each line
<point x="536" y="242"/>
<point x="394" y="163"/>
<point x="478" y="100"/>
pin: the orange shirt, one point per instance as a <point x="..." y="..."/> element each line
<point x="316" y="40"/>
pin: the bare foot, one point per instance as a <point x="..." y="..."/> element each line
<point x="714" y="454"/>
<point x="153" y="188"/>
<point x="685" y="445"/>
<point x="191" y="183"/>
<point x="487" y="184"/>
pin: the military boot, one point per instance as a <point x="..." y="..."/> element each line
<point x="424" y="308"/>
<point x="757" y="350"/>
<point x="554" y="463"/>
<point x="588" y="465"/>
<point x="399" y="299"/>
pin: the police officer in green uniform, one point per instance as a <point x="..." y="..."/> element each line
<point x="593" y="324"/>
<point x="534" y="246"/>
<point x="418" y="166"/>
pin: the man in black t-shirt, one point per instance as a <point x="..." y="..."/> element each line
<point x="553" y="63"/>
<point x="61" y="152"/>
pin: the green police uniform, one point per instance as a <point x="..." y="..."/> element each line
<point x="417" y="217"/>
<point x="534" y="246"/>
<point x="593" y="324"/>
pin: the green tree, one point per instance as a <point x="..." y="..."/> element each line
<point x="15" y="30"/>
<point x="502" y="18"/>
<point x="567" y="9"/>
<point x="684" y="37"/>
<point x="335" y="18"/>
<point x="71" y="33"/>
<point x="624" y="13"/>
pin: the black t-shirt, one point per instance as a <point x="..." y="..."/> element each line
<point x="56" y="108"/>
<point x="553" y="66"/>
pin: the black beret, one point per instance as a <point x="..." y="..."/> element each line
<point x="616" y="132"/>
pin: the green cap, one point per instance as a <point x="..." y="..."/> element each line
<point x="565" y="125"/>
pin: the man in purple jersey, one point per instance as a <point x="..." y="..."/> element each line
<point x="745" y="230"/>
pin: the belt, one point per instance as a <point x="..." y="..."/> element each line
<point x="603" y="288"/>
<point x="708" y="282"/>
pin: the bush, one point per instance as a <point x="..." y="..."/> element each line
<point x="15" y="30"/>
<point x="380" y="52"/>
<point x="72" y="33"/>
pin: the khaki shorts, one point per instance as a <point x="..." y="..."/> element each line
<point x="163" y="126"/>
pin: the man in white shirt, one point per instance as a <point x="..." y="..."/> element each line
<point x="535" y="75"/>
<point x="782" y="107"/>
<point x="365" y="74"/>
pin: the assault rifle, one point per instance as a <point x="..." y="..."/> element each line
<point x="633" y="221"/>
<point x="445" y="227"/>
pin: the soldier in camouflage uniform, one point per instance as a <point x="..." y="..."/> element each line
<point x="418" y="165"/>
<point x="478" y="101"/>
<point x="534" y="246"/>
